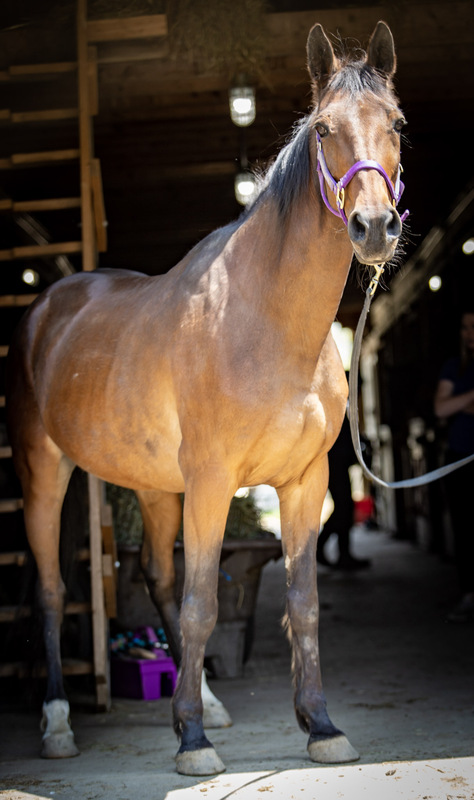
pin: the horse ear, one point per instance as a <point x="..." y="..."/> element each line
<point x="381" y="50"/>
<point x="321" y="59"/>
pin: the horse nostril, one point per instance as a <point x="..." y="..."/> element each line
<point x="358" y="227"/>
<point x="394" y="225"/>
<point x="364" y="228"/>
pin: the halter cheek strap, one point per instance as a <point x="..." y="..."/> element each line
<point x="339" y="187"/>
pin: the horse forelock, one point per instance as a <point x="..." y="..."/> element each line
<point x="354" y="77"/>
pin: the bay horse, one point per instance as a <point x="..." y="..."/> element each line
<point x="219" y="374"/>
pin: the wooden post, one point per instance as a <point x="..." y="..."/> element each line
<point x="99" y="617"/>
<point x="88" y="106"/>
<point x="89" y="255"/>
<point x="109" y="558"/>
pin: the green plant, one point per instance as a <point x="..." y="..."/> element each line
<point x="243" y="521"/>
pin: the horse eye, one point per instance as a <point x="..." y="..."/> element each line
<point x="321" y="129"/>
<point x="399" y="124"/>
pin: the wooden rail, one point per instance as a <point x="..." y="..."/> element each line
<point x="35" y="250"/>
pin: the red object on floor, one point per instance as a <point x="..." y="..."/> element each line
<point x="363" y="509"/>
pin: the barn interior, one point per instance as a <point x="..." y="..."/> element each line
<point x="163" y="155"/>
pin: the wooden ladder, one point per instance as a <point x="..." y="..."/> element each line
<point x="88" y="198"/>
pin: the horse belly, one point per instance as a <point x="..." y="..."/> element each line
<point x="121" y="432"/>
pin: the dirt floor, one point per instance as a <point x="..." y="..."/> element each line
<point x="399" y="681"/>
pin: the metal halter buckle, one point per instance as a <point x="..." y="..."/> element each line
<point x="379" y="268"/>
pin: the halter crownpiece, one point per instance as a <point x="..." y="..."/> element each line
<point x="339" y="187"/>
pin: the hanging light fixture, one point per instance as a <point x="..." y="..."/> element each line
<point x="30" y="276"/>
<point x="468" y="247"/>
<point x="244" y="187"/>
<point x="245" y="182"/>
<point x="435" y="283"/>
<point x="242" y="102"/>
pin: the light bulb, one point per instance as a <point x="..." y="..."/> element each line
<point x="244" y="187"/>
<point x="435" y="283"/>
<point x="468" y="247"/>
<point x="30" y="276"/>
<point x="242" y="105"/>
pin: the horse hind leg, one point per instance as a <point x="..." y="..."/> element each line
<point x="44" y="473"/>
<point x="215" y="714"/>
<point x="162" y="513"/>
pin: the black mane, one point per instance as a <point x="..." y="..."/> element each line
<point x="288" y="176"/>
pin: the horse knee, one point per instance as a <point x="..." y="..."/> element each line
<point x="198" y="616"/>
<point x="161" y="587"/>
<point x="302" y="610"/>
<point x="51" y="600"/>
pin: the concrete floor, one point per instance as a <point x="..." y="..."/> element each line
<point x="399" y="681"/>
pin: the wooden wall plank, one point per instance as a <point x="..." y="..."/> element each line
<point x="46" y="115"/>
<point x="38" y="250"/>
<point x="28" y="70"/>
<point x="53" y="204"/>
<point x="108" y="30"/>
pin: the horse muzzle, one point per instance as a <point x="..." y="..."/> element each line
<point x="374" y="236"/>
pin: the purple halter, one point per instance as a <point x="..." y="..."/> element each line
<point x="338" y="187"/>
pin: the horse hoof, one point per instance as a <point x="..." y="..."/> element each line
<point x="199" y="762"/>
<point x="58" y="738"/>
<point x="214" y="713"/>
<point x="335" y="750"/>
<point x="216" y="716"/>
<point x="61" y="745"/>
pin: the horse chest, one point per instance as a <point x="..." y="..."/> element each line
<point x="303" y="423"/>
<point x="294" y="436"/>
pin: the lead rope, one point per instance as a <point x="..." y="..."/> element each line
<point x="354" y="409"/>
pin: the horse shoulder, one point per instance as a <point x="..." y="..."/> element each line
<point x="330" y="386"/>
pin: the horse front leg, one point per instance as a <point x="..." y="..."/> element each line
<point x="300" y="508"/>
<point x="205" y="513"/>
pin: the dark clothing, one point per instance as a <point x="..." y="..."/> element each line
<point x="341" y="456"/>
<point x="461" y="425"/>
<point x="459" y="484"/>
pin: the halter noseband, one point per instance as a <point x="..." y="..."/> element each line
<point x="338" y="187"/>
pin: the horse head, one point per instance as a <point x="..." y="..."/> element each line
<point x="357" y="126"/>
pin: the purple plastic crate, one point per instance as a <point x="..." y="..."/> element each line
<point x="143" y="678"/>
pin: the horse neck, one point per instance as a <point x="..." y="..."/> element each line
<point x="297" y="270"/>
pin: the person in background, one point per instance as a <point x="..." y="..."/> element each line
<point x="454" y="402"/>
<point x="341" y="456"/>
